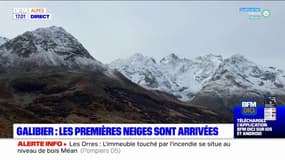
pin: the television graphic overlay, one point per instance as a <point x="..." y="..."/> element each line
<point x="270" y="108"/>
<point x="264" y="121"/>
<point x="248" y="107"/>
<point x="114" y="63"/>
<point x="141" y="79"/>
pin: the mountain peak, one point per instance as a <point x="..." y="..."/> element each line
<point x="210" y="57"/>
<point x="169" y="59"/>
<point x="53" y="33"/>
<point x="238" y="59"/>
<point x="173" y="55"/>
<point x="43" y="40"/>
<point x="3" y="40"/>
<point x="51" y="46"/>
<point x="185" y="78"/>
<point x="238" y="56"/>
<point x="138" y="56"/>
<point x="51" y="28"/>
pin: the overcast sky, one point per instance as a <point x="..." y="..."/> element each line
<point x="111" y="30"/>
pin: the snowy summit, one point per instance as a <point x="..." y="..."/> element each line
<point x="209" y="74"/>
<point x="51" y="47"/>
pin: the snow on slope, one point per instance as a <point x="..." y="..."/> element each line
<point x="184" y="78"/>
<point x="237" y="74"/>
<point x="3" y="40"/>
<point x="180" y="77"/>
<point x="51" y="46"/>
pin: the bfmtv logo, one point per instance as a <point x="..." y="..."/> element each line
<point x="248" y="107"/>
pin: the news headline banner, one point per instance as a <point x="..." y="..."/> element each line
<point x="28" y="131"/>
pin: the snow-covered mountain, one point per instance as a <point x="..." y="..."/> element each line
<point x="205" y="75"/>
<point x="3" y="40"/>
<point x="46" y="47"/>
<point x="178" y="76"/>
<point x="237" y="75"/>
<point x="143" y="70"/>
<point x="46" y="75"/>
